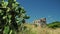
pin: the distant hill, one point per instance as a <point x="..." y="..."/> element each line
<point x="55" y="24"/>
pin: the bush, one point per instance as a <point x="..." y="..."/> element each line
<point x="54" y="24"/>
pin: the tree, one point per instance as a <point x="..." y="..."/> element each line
<point x="12" y="15"/>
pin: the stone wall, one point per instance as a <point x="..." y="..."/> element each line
<point x="40" y="22"/>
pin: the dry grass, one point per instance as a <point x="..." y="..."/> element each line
<point x="38" y="30"/>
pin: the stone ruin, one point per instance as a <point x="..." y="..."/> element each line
<point x="41" y="22"/>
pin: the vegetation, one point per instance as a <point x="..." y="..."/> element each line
<point x="53" y="28"/>
<point x="12" y="15"/>
<point x="55" y="24"/>
<point x="32" y="29"/>
<point x="12" y="21"/>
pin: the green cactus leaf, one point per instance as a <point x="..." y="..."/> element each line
<point x="6" y="30"/>
<point x="4" y="17"/>
<point x="12" y="15"/>
<point x="0" y="11"/>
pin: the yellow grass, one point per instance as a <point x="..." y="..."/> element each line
<point x="38" y="30"/>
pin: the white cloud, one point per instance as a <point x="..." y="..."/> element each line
<point x="50" y="18"/>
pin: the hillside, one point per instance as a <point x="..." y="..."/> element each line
<point x="55" y="24"/>
<point x="31" y="29"/>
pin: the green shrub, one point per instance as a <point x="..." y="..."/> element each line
<point x="54" y="25"/>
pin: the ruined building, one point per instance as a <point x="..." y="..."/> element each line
<point x="41" y="22"/>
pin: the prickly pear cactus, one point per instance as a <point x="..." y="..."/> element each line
<point x="12" y="15"/>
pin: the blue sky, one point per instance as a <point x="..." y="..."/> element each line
<point x="37" y="9"/>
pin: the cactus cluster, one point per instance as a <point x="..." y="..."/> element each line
<point x="12" y="15"/>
